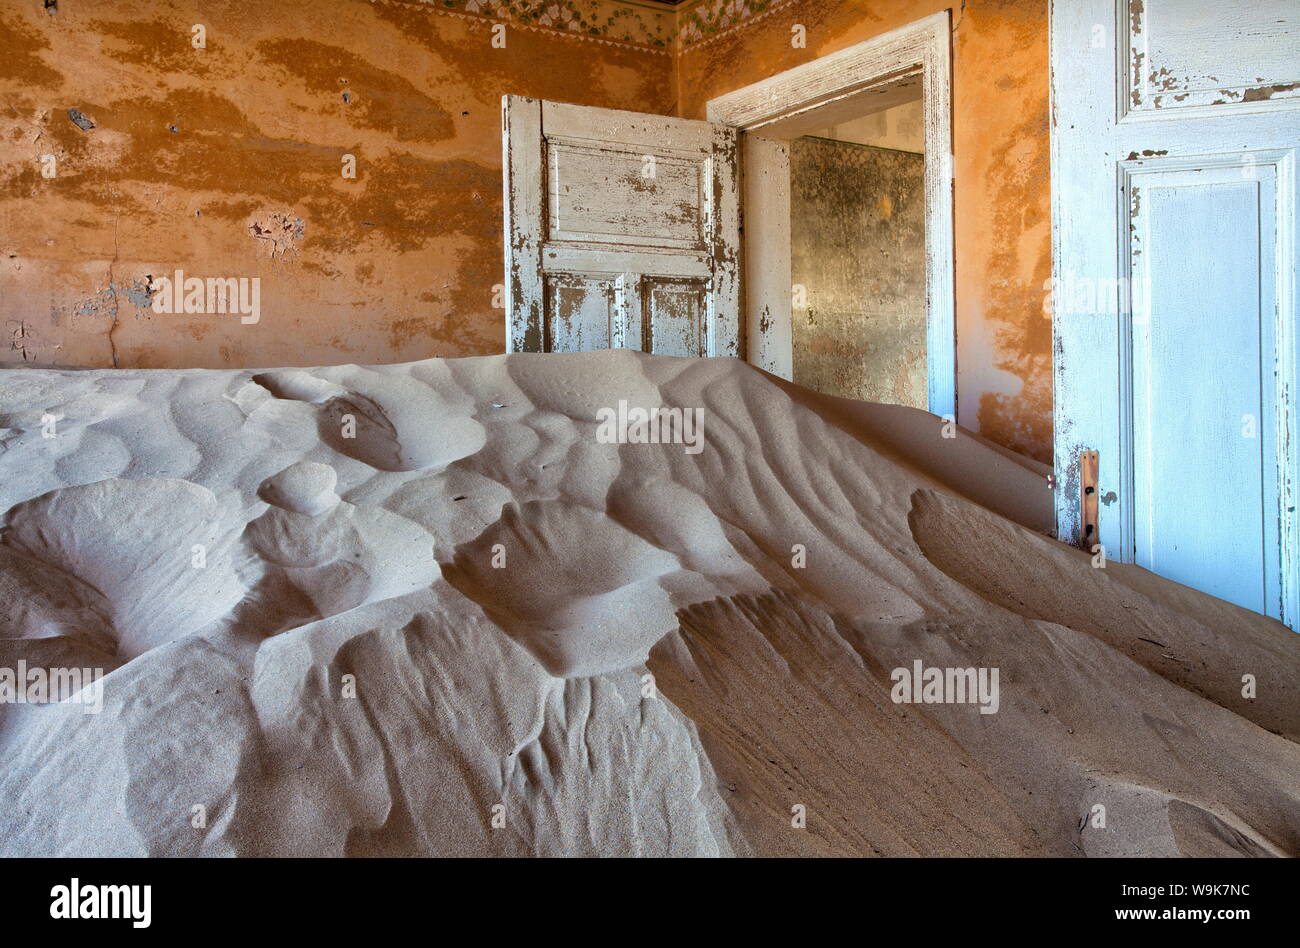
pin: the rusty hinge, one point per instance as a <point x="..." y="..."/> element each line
<point x="1088" y="525"/>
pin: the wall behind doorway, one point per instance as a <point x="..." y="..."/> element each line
<point x="900" y="127"/>
<point x="857" y="247"/>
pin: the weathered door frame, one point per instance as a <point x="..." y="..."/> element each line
<point x="875" y="74"/>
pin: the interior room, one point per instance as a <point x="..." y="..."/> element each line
<point x="765" y="428"/>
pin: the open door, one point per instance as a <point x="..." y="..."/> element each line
<point x="622" y="231"/>
<point x="1175" y="136"/>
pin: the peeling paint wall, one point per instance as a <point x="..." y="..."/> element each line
<point x="857" y="247"/>
<point x="228" y="161"/>
<point x="1001" y="186"/>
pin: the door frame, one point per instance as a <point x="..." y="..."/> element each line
<point x="788" y="105"/>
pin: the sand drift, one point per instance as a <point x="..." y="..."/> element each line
<point x="439" y="609"/>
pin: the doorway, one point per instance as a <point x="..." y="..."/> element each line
<point x="847" y="195"/>
<point x="857" y="257"/>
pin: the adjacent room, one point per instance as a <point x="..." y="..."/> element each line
<point x="857" y="243"/>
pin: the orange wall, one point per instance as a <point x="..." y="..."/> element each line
<point x="398" y="264"/>
<point x="1001" y="188"/>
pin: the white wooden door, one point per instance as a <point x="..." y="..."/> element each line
<point x="622" y="231"/>
<point x="1174" y="137"/>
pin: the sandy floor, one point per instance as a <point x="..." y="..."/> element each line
<point x="423" y="609"/>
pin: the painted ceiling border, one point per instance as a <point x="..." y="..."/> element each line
<point x="700" y="22"/>
<point x="640" y="24"/>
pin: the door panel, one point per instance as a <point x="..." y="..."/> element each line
<point x="676" y="309"/>
<point x="1204" y="393"/>
<point x="579" y="312"/>
<point x="616" y="195"/>
<point x="1185" y="54"/>
<point x="622" y="230"/>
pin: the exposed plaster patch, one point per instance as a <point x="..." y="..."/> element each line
<point x="79" y="119"/>
<point x="283" y="231"/>
<point x="138" y="293"/>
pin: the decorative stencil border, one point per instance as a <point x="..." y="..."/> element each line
<point x="601" y="21"/>
<point x="648" y="26"/>
<point x="707" y="20"/>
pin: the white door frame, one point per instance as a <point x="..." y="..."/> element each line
<point x="792" y="103"/>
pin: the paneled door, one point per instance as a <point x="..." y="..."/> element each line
<point x="622" y="231"/>
<point x="1174" y="138"/>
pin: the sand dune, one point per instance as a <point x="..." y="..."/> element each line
<point x="423" y="609"/>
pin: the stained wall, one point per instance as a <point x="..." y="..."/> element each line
<point x="227" y="161"/>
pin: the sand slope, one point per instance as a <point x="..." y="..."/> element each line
<point x="374" y="611"/>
